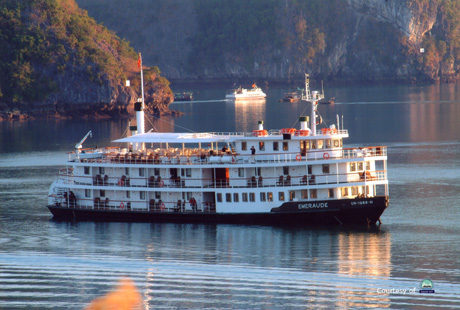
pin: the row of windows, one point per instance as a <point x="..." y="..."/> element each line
<point x="359" y="166"/>
<point x="268" y="196"/>
<point x="305" y="144"/>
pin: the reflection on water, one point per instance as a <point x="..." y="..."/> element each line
<point x="248" y="113"/>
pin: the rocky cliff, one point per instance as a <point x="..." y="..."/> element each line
<point x="57" y="62"/>
<point x="364" y="40"/>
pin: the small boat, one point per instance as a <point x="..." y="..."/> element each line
<point x="246" y="94"/>
<point x="291" y="97"/>
<point x="330" y="101"/>
<point x="184" y="96"/>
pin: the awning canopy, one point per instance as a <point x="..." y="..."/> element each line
<point x="173" y="137"/>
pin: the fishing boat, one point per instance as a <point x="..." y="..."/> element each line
<point x="289" y="176"/>
<point x="291" y="97"/>
<point x="246" y="94"/>
<point x="184" y="96"/>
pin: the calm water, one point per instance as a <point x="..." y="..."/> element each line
<point x="46" y="264"/>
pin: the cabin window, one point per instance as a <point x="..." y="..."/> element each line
<point x="320" y="144"/>
<point x="252" y="197"/>
<point x="307" y="145"/>
<point x="313" y="145"/>
<point x="326" y="168"/>
<point x="275" y="146"/>
<point x="291" y="196"/>
<point x="86" y="170"/>
<point x="128" y="194"/>
<point x="87" y="193"/>
<point x="157" y="195"/>
<point x="262" y="197"/>
<point x="360" y="166"/>
<point x="244" y="146"/>
<point x="286" y="170"/>
<point x="261" y="146"/>
<point x="101" y="170"/>
<point x="281" y="196"/>
<point x="328" y="144"/>
<point x="304" y="194"/>
<point x="285" y="146"/>
<point x="219" y="197"/>
<point x="258" y="171"/>
<point x="127" y="171"/>
<point x="228" y="197"/>
<point x="310" y="169"/>
<point x="188" y="172"/>
<point x="368" y="165"/>
<point x="331" y="193"/>
<point x="354" y="190"/>
<point x="142" y="195"/>
<point x="102" y="193"/>
<point x="244" y="197"/>
<point x="313" y="193"/>
<point x="235" y="197"/>
<point x="344" y="191"/>
<point x="241" y="172"/>
<point x="156" y="171"/>
<point x="352" y="167"/>
<point x="269" y="196"/>
<point x="141" y="172"/>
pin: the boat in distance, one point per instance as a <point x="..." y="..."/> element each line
<point x="282" y="176"/>
<point x="246" y="94"/>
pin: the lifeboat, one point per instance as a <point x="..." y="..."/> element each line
<point x="302" y="132"/>
<point x="259" y="133"/>
<point x="288" y="130"/>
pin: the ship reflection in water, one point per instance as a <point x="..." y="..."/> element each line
<point x="194" y="266"/>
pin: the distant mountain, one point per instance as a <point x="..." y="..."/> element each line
<point x="372" y="40"/>
<point x="57" y="61"/>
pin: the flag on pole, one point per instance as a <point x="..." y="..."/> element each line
<point x="139" y="61"/>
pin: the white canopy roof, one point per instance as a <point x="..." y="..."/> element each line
<point x="174" y="137"/>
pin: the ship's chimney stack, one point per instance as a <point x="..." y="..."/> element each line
<point x="261" y="125"/>
<point x="303" y="120"/>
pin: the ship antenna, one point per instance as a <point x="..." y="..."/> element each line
<point x="312" y="97"/>
<point x="139" y="106"/>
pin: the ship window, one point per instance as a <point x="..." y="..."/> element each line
<point x="307" y="145"/>
<point x="156" y="171"/>
<point x="352" y="167"/>
<point x="228" y="197"/>
<point x="269" y="196"/>
<point x="336" y="143"/>
<point x="331" y="193"/>
<point x="219" y="197"/>
<point x="241" y="172"/>
<point x="262" y="196"/>
<point x="345" y="191"/>
<point x="275" y="146"/>
<point x="354" y="190"/>
<point x="291" y="195"/>
<point x="102" y="193"/>
<point x="313" y="193"/>
<point x="328" y="144"/>
<point x="281" y="196"/>
<point x="142" y="195"/>
<point x="286" y="170"/>
<point x="128" y="194"/>
<point x="235" y="197"/>
<point x="310" y="169"/>
<point x="86" y="170"/>
<point x="245" y="197"/>
<point x="313" y="145"/>
<point x="320" y="144"/>
<point x="252" y="197"/>
<point x="360" y="166"/>
<point x="87" y="193"/>
<point x="325" y="168"/>
<point x="368" y="165"/>
<point x="141" y="172"/>
<point x="261" y="146"/>
<point x="304" y="194"/>
<point x="101" y="170"/>
<point x="127" y="171"/>
<point x="244" y="146"/>
<point x="188" y="172"/>
<point x="157" y="195"/>
<point x="285" y="146"/>
<point x="258" y="169"/>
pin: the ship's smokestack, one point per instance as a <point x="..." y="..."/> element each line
<point x="303" y="120"/>
<point x="261" y="125"/>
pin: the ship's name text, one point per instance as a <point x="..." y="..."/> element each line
<point x="313" y="205"/>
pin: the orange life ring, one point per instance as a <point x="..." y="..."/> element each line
<point x="162" y="183"/>
<point x="326" y="155"/>
<point x="122" y="205"/>
<point x="298" y="157"/>
<point x="162" y="207"/>
<point x="120" y="183"/>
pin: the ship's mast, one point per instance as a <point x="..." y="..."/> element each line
<point x="312" y="97"/>
<point x="139" y="106"/>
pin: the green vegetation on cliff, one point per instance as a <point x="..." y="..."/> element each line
<point x="44" y="40"/>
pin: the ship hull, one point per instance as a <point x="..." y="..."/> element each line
<point x="359" y="211"/>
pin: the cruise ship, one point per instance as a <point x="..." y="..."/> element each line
<point x="287" y="176"/>
<point x="246" y="94"/>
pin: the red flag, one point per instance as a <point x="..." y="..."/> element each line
<point x="139" y="61"/>
<point x="254" y="85"/>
